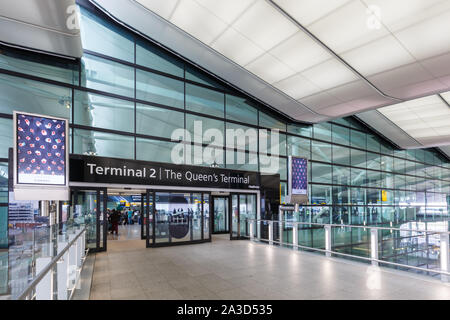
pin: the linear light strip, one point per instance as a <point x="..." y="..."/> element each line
<point x="313" y="37"/>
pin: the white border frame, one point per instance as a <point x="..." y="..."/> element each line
<point x="66" y="154"/>
<point x="290" y="195"/>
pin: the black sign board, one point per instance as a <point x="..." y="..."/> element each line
<point x="109" y="170"/>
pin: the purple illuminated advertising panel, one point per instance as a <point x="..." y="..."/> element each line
<point x="41" y="150"/>
<point x="299" y="176"/>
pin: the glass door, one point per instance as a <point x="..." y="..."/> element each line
<point x="221" y="215"/>
<point x="243" y="208"/>
<point x="89" y="209"/>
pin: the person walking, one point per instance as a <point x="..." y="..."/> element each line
<point x="130" y="216"/>
<point x="115" y="218"/>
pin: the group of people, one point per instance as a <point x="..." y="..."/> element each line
<point x="116" y="217"/>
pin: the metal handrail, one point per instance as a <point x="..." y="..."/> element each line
<point x="349" y="226"/>
<point x="43" y="273"/>
<point x="346" y="254"/>
<point x="358" y="257"/>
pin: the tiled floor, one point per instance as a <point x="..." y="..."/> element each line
<point x="225" y="269"/>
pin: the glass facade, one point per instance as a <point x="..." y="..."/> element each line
<point x="127" y="96"/>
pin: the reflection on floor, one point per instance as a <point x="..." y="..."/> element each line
<point x="225" y="269"/>
<point x="127" y="232"/>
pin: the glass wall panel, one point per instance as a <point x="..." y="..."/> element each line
<point x="373" y="161"/>
<point x="341" y="155"/>
<point x="322" y="131"/>
<point x="154" y="150"/>
<point x="387" y="163"/>
<point x="198" y="127"/>
<point x="321" y="195"/>
<point x="106" y="75"/>
<point x="399" y="165"/>
<point x="358" y="139"/>
<point x="272" y="143"/>
<point x="240" y="109"/>
<point x="103" y="144"/>
<point x="358" y="158"/>
<point x="321" y="151"/>
<point x="299" y="147"/>
<point x="39" y="65"/>
<point x="6" y="136"/>
<point x="273" y="165"/>
<point x="358" y="177"/>
<point x="153" y="57"/>
<point x="241" y="137"/>
<point x="341" y="135"/>
<point x="269" y="122"/>
<point x="373" y="178"/>
<point x="155" y="88"/>
<point x="341" y="195"/>
<point x="387" y="180"/>
<point x="158" y="122"/>
<point x="99" y="111"/>
<point x="358" y="196"/>
<point x="205" y="101"/>
<point x="103" y="37"/>
<point x="321" y="173"/>
<point x="386" y="149"/>
<point x="200" y="77"/>
<point x="341" y="175"/>
<point x="373" y="143"/>
<point x="302" y="130"/>
<point x="207" y="156"/>
<point x="239" y="160"/>
<point x="18" y="94"/>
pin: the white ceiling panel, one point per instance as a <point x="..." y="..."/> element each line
<point x="425" y="39"/>
<point x="308" y="11"/>
<point x="228" y="11"/>
<point x="269" y="68"/>
<point x="264" y="25"/>
<point x="329" y="74"/>
<point x="346" y="28"/>
<point x="197" y="21"/>
<point x="300" y="52"/>
<point x="320" y="59"/>
<point x="379" y="55"/>
<point x="297" y="86"/>
<point x="236" y="47"/>
<point x="426" y="119"/>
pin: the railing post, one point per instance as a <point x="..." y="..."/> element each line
<point x="374" y="246"/>
<point x="294" y="236"/>
<point x="328" y="240"/>
<point x="270" y="232"/>
<point x="444" y="256"/>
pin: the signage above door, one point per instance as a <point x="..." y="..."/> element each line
<point x="109" y="170"/>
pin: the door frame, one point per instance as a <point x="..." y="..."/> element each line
<point x="75" y="191"/>
<point x="150" y="241"/>
<point x="212" y="217"/>
<point x="238" y="195"/>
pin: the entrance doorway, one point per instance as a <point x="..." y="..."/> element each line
<point x="89" y="208"/>
<point x="129" y="206"/>
<point x="221" y="215"/>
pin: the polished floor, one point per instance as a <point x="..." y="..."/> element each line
<point x="225" y="269"/>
